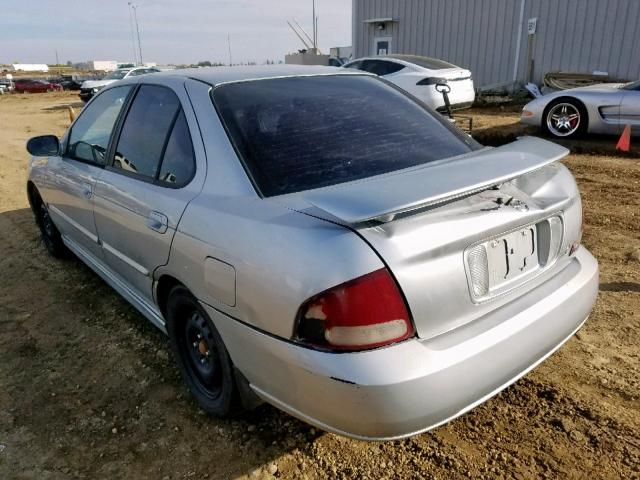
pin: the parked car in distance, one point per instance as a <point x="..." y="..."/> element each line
<point x="316" y="238"/>
<point x="35" y="86"/>
<point x="70" y="82"/>
<point x="420" y="75"/>
<point x="604" y="108"/>
<point x="90" y="87"/>
<point x="6" y="85"/>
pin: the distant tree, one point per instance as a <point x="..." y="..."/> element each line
<point x="69" y="64"/>
<point x="206" y="63"/>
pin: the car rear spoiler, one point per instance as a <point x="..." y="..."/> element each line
<point x="380" y="199"/>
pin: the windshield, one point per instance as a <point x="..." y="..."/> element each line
<point x="116" y="75"/>
<point x="300" y="133"/>
<point x="632" y="86"/>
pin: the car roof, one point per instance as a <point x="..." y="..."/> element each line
<point x="423" y="61"/>
<point x="218" y="75"/>
<point x="415" y="60"/>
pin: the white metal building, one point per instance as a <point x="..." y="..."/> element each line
<point x="506" y="42"/>
<point x="30" y="67"/>
<point x="104" y="65"/>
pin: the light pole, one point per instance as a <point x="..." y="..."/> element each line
<point x="315" y="38"/>
<point x="135" y="19"/>
<point x="133" y="40"/>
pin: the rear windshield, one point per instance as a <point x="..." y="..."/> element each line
<point x="425" y="62"/>
<point x="300" y="133"/>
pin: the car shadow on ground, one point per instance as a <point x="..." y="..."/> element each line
<point x="90" y="386"/>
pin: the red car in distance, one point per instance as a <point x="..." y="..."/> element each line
<point x="36" y="86"/>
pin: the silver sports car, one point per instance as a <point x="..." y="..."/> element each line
<point x="605" y="108"/>
<point x="317" y="239"/>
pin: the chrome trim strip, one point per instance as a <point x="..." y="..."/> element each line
<point x="73" y="223"/>
<point x="136" y="266"/>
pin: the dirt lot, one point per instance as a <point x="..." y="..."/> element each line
<point x="88" y="388"/>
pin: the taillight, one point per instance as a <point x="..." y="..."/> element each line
<point x="364" y="313"/>
<point x="431" y="81"/>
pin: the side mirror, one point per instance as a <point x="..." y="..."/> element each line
<point x="43" y="146"/>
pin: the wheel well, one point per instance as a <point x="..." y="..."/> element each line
<point x="579" y="103"/>
<point x="33" y="195"/>
<point x="164" y="286"/>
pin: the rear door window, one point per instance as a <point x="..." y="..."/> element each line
<point x="178" y="162"/>
<point x="300" y="133"/>
<point x="154" y="142"/>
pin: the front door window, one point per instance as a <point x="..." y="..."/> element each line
<point x="90" y="134"/>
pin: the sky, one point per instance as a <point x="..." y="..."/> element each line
<point x="171" y="31"/>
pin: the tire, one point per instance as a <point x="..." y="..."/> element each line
<point x="202" y="358"/>
<point x="565" y="118"/>
<point x="50" y="234"/>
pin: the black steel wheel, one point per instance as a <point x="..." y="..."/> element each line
<point x="202" y="358"/>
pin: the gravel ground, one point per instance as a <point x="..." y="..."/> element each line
<point x="88" y="388"/>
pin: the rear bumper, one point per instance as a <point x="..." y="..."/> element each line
<point x="462" y="95"/>
<point x="416" y="385"/>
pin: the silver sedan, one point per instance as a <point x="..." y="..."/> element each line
<point x="605" y="108"/>
<point x="317" y="239"/>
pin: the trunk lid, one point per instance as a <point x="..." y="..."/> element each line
<point x="462" y="237"/>
<point x="382" y="198"/>
<point x="454" y="74"/>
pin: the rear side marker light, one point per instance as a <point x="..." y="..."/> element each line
<point x="364" y="313"/>
<point x="431" y="81"/>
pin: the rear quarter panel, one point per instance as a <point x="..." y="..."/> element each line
<point x="279" y="257"/>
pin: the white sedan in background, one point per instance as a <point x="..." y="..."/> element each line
<point x="420" y="75"/>
<point x="90" y="87"/>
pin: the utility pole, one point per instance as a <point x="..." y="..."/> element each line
<point x="229" y="45"/>
<point x="135" y="19"/>
<point x="133" y="39"/>
<point x="57" y="62"/>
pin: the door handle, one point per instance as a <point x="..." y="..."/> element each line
<point x="158" y="221"/>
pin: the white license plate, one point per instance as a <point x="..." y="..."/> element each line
<point x="511" y="256"/>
